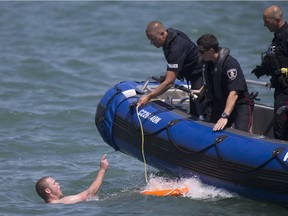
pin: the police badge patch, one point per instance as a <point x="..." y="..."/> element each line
<point x="232" y="73"/>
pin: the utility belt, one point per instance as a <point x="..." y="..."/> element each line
<point x="248" y="99"/>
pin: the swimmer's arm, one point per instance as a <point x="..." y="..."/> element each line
<point x="93" y="188"/>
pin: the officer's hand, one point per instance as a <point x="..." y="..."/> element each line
<point x="258" y="71"/>
<point x="144" y="100"/>
<point x="221" y="123"/>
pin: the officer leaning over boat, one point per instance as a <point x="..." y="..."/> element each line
<point x="183" y="60"/>
<point x="224" y="86"/>
<point x="275" y="64"/>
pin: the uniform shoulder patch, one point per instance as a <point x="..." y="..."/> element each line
<point x="232" y="73"/>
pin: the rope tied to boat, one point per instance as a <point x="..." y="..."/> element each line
<point x="134" y="104"/>
<point x="118" y="91"/>
<point x="158" y="192"/>
<point x="218" y="140"/>
<point x="142" y="145"/>
<point x="274" y="155"/>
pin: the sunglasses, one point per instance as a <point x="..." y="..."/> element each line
<point x="202" y="51"/>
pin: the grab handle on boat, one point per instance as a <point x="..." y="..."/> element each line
<point x="146" y="84"/>
<point x="193" y="98"/>
<point x="183" y="88"/>
<point x="278" y="113"/>
<point x="254" y="82"/>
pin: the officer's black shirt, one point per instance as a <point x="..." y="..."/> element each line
<point x="182" y="55"/>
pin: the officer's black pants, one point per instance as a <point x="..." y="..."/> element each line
<point x="280" y="125"/>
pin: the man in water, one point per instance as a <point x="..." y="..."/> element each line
<point x="50" y="190"/>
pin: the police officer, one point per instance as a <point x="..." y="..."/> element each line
<point x="182" y="57"/>
<point x="224" y="86"/>
<point x="275" y="59"/>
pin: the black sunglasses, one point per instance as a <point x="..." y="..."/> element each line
<point x="202" y="51"/>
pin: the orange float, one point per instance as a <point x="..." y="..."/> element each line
<point x="166" y="192"/>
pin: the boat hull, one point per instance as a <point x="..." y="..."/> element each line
<point x="181" y="145"/>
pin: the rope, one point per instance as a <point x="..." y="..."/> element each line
<point x="142" y="144"/>
<point x="218" y="140"/>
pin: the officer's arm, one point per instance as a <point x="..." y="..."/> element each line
<point x="163" y="87"/>
<point x="230" y="102"/>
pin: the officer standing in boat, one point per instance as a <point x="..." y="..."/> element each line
<point x="275" y="59"/>
<point x="224" y="86"/>
<point x="182" y="57"/>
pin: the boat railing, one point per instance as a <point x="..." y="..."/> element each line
<point x="177" y="86"/>
<point x="264" y="128"/>
<point x="172" y="96"/>
<point x="260" y="125"/>
<point x="144" y="87"/>
<point x="178" y="96"/>
<point x="281" y="110"/>
<point x="259" y="83"/>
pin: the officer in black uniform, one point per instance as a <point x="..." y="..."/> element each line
<point x="224" y="86"/>
<point x="183" y="60"/>
<point x="274" y="64"/>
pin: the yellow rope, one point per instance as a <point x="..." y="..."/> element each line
<point x="142" y="144"/>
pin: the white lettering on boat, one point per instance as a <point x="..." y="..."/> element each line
<point x="147" y="115"/>
<point x="155" y="119"/>
<point x="144" y="114"/>
<point x="286" y="157"/>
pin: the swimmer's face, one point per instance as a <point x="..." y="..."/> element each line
<point x="54" y="187"/>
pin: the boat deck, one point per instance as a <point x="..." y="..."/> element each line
<point x="179" y="100"/>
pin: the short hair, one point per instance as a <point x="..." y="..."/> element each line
<point x="155" y="27"/>
<point x="208" y="41"/>
<point x="275" y="12"/>
<point x="40" y="187"/>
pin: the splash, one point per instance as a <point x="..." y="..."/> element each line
<point x="196" y="189"/>
<point x="93" y="198"/>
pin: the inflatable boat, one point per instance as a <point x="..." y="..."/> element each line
<point x="169" y="135"/>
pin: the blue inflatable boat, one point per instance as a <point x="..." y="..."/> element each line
<point x="181" y="143"/>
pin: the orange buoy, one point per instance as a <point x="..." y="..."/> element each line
<point x="166" y="192"/>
